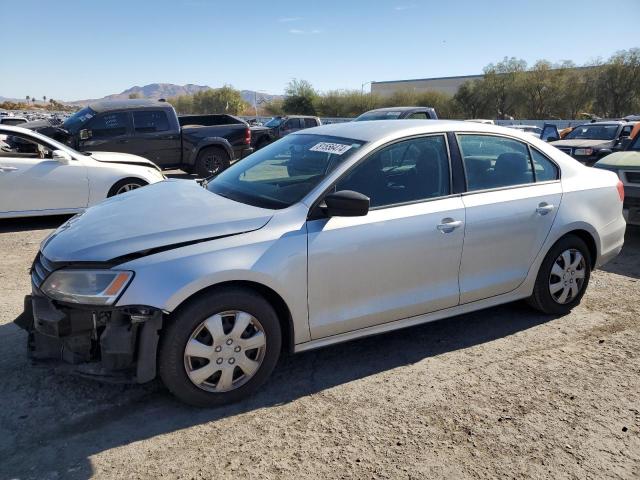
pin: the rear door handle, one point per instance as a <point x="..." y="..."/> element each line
<point x="448" y="225"/>
<point x="7" y="169"/>
<point x="544" y="208"/>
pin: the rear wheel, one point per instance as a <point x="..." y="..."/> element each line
<point x="563" y="277"/>
<point x="220" y="348"/>
<point x="126" y="185"/>
<point x="211" y="161"/>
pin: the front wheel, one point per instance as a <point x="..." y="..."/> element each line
<point x="220" y="347"/>
<point x="126" y="185"/>
<point x="563" y="277"/>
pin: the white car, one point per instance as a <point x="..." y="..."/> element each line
<point x="329" y="234"/>
<point x="40" y="176"/>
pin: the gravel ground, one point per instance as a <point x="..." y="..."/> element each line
<point x="504" y="392"/>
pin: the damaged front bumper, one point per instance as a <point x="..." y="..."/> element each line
<point x="113" y="344"/>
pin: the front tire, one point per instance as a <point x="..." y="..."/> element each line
<point x="220" y="347"/>
<point x="563" y="277"/>
<point x="125" y="185"/>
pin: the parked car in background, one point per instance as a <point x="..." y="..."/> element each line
<point x="6" y="120"/>
<point x="626" y="165"/>
<point x="481" y="120"/>
<point x="201" y="144"/>
<point x="590" y="142"/>
<point x="399" y="113"/>
<point x="278" y="127"/>
<point x="327" y="235"/>
<point x="532" y="129"/>
<point x="40" y="176"/>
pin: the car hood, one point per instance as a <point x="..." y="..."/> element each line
<point x="126" y="158"/>
<point x="579" y="143"/>
<point x="626" y="160"/>
<point x="155" y="218"/>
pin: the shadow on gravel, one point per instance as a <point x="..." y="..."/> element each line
<point x="32" y="223"/>
<point x="628" y="262"/>
<point x="64" y="445"/>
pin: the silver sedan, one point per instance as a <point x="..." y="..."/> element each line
<point x="330" y="234"/>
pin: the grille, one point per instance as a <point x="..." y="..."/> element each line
<point x="565" y="150"/>
<point x="632" y="177"/>
<point x="40" y="269"/>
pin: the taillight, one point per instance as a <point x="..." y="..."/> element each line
<point x="247" y="137"/>
<point x="621" y="190"/>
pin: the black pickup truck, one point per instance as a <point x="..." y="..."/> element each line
<point x="201" y="144"/>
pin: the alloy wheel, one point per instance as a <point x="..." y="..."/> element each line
<point x="567" y="276"/>
<point x="225" y="351"/>
<point x="127" y="188"/>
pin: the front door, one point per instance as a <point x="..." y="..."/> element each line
<point x="513" y="196"/>
<point x="30" y="180"/>
<point x="402" y="258"/>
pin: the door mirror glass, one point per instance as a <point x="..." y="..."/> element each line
<point x="85" y="134"/>
<point x="346" y="203"/>
<point x="61" y="156"/>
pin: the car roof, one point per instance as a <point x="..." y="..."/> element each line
<point x="374" y="130"/>
<point x="397" y="109"/>
<point x="109" y="105"/>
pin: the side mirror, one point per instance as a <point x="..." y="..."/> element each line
<point x="84" y="134"/>
<point x="346" y="203"/>
<point x="61" y="156"/>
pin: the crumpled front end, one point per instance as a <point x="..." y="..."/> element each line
<point x="117" y="344"/>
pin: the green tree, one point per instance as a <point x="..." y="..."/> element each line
<point x="617" y="84"/>
<point x="300" y="98"/>
<point x="502" y="81"/>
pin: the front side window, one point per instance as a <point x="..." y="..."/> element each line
<point x="309" y="123"/>
<point x="109" y="125"/>
<point x="284" y="172"/>
<point x="407" y="171"/>
<point x="292" y="123"/>
<point x="20" y="146"/>
<point x="150" y="121"/>
<point x="418" y="116"/>
<point x="493" y="162"/>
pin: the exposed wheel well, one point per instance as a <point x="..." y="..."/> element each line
<point x="276" y="301"/>
<point x="587" y="238"/>
<point x="124" y="181"/>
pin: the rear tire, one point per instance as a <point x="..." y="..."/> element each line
<point x="563" y="277"/>
<point x="208" y="322"/>
<point x="211" y="161"/>
<point x="125" y="185"/>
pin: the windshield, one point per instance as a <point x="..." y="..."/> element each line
<point x="75" y="121"/>
<point x="379" y="115"/>
<point x="593" y="132"/>
<point x="274" y="122"/>
<point x="281" y="174"/>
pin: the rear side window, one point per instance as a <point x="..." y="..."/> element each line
<point x="494" y="162"/>
<point x="150" y="121"/>
<point x="418" y="116"/>
<point x="310" y="122"/>
<point x="544" y="169"/>
<point x="109" y="125"/>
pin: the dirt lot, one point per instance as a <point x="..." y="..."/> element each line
<point x="500" y="393"/>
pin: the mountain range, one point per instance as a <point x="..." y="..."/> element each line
<point x="168" y="90"/>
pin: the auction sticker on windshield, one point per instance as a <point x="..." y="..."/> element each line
<point x="326" y="147"/>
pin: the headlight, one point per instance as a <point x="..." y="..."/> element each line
<point x="583" y="151"/>
<point x="93" y="287"/>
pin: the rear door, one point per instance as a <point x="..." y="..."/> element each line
<point x="513" y="195"/>
<point x="154" y="139"/>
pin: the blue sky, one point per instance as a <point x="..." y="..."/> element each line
<point x="76" y="49"/>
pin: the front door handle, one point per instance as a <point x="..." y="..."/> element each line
<point x="448" y="225"/>
<point x="544" y="208"/>
<point x="7" y="169"/>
